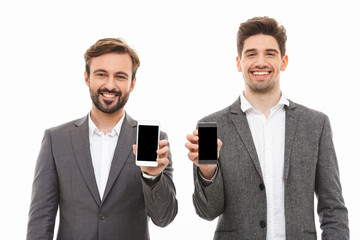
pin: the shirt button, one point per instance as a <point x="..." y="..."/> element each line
<point x="101" y="216"/>
<point x="262" y="186"/>
<point x="262" y="224"/>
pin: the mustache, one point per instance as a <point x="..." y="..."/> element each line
<point x="261" y="67"/>
<point x="105" y="90"/>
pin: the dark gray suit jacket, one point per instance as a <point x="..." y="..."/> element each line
<point x="64" y="177"/>
<point x="238" y="195"/>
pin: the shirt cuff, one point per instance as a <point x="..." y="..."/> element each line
<point x="149" y="176"/>
<point x="205" y="181"/>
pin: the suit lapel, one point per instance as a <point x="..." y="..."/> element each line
<point x="290" y="130"/>
<point x="238" y="117"/>
<point x="81" y="146"/>
<point x="122" y="151"/>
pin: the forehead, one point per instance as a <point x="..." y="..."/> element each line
<point x="261" y="42"/>
<point x="112" y="62"/>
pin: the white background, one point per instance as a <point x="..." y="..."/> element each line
<point x="187" y="51"/>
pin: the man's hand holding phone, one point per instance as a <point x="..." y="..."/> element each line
<point x="162" y="160"/>
<point x="150" y="152"/>
<point x="206" y="170"/>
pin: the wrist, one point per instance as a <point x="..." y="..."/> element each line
<point x="147" y="176"/>
<point x="208" y="173"/>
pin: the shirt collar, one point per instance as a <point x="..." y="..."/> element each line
<point x="115" y="131"/>
<point x="245" y="105"/>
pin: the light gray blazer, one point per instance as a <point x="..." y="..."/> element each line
<point x="64" y="177"/>
<point x="238" y="194"/>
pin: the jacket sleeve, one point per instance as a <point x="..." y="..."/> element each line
<point x="160" y="197"/>
<point x="208" y="199"/>
<point x="44" y="199"/>
<point x="333" y="214"/>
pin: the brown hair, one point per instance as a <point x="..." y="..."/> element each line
<point x="261" y="25"/>
<point x="111" y="45"/>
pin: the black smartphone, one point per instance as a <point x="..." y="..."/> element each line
<point x="147" y="143"/>
<point x="207" y="132"/>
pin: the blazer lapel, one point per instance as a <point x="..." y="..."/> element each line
<point x="122" y="151"/>
<point x="238" y="117"/>
<point x="290" y="130"/>
<point x="81" y="146"/>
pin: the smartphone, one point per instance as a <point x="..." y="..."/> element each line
<point x="207" y="132"/>
<point x="147" y="143"/>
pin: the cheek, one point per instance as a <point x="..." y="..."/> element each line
<point x="124" y="86"/>
<point x="246" y="65"/>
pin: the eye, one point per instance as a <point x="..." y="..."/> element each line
<point x="121" y="77"/>
<point x="271" y="54"/>
<point x="100" y="75"/>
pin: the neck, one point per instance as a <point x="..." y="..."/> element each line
<point x="105" y="122"/>
<point x="263" y="101"/>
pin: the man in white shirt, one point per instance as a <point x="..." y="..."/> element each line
<point x="87" y="167"/>
<point x="275" y="154"/>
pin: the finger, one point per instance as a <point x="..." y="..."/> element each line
<point x="193" y="156"/>
<point x="196" y="132"/>
<point x="192" y="138"/>
<point x="192" y="147"/>
<point x="163" y="152"/>
<point x="163" y="161"/>
<point x="163" y="143"/>
<point x="134" y="149"/>
<point x="219" y="144"/>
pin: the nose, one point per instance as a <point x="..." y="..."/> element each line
<point x="260" y="61"/>
<point x="110" y="83"/>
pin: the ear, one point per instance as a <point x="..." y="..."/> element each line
<point x="87" y="80"/>
<point x="132" y="85"/>
<point x="284" y="63"/>
<point x="238" y="64"/>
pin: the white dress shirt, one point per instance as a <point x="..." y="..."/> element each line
<point x="269" y="138"/>
<point x="102" y="148"/>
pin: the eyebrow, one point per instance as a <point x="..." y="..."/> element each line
<point x="255" y="49"/>
<point x="272" y="50"/>
<point x="102" y="70"/>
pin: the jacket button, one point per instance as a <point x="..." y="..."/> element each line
<point x="262" y="224"/>
<point x="101" y="216"/>
<point x="262" y="186"/>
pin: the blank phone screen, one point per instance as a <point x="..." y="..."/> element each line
<point x="147" y="142"/>
<point x="207" y="143"/>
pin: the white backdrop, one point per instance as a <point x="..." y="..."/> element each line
<point x="187" y="51"/>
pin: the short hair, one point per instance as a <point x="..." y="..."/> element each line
<point x="261" y="25"/>
<point x="111" y="45"/>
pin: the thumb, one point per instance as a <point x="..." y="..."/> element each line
<point x="134" y="149"/>
<point x="219" y="144"/>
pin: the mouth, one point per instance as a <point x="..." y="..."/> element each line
<point x="260" y="74"/>
<point x="109" y="96"/>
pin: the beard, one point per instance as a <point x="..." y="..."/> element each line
<point x="261" y="88"/>
<point x="109" y="106"/>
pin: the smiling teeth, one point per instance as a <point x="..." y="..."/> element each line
<point x="260" y="73"/>
<point x="108" y="95"/>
